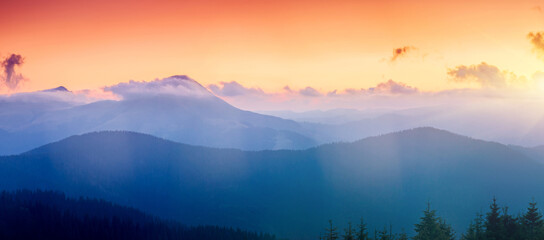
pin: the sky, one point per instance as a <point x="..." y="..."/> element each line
<point x="312" y="47"/>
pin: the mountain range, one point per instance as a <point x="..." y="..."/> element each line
<point x="195" y="116"/>
<point x="387" y="179"/>
<point x="180" y="109"/>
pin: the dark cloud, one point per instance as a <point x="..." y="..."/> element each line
<point x="402" y="51"/>
<point x="10" y="78"/>
<point x="537" y="39"/>
<point x="309" y="92"/>
<point x="232" y="89"/>
<point x="484" y="74"/>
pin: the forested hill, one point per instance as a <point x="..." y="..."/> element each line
<point x="51" y="215"/>
<point x="387" y="179"/>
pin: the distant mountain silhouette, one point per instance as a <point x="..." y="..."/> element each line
<point x="195" y="117"/>
<point x="180" y="109"/>
<point x="51" y="215"/>
<point x="287" y="192"/>
<point x="57" y="89"/>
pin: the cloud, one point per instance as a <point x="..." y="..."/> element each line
<point x="10" y="78"/>
<point x="392" y="87"/>
<point x="309" y="92"/>
<point x="385" y="88"/>
<point x="179" y="85"/>
<point x="231" y="89"/>
<point x="537" y="8"/>
<point x="485" y="75"/>
<point x="287" y="89"/>
<point x="56" y="96"/>
<point x="400" y="52"/>
<point x="537" y="39"/>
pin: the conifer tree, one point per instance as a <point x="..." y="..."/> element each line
<point x="476" y="229"/>
<point x="493" y="222"/>
<point x="447" y="230"/>
<point x="331" y="232"/>
<point x="403" y="236"/>
<point x="532" y="223"/>
<point x="384" y="234"/>
<point x="349" y="233"/>
<point x="432" y="227"/>
<point x="362" y="233"/>
<point x="510" y="226"/>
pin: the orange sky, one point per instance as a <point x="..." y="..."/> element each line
<point x="269" y="44"/>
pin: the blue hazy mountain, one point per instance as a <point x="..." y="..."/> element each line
<point x="387" y="179"/>
<point x="195" y="117"/>
<point x="182" y="110"/>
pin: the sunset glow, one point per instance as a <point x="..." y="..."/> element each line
<point x="267" y="44"/>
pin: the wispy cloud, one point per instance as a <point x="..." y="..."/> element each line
<point x="484" y="74"/>
<point x="537" y="39"/>
<point x="233" y="88"/>
<point x="389" y="87"/>
<point x="10" y="78"/>
<point x="179" y="85"/>
<point x="309" y="92"/>
<point x="388" y="94"/>
<point x="400" y="52"/>
<point x="392" y="87"/>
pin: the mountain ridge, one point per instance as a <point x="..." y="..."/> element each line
<point x="288" y="192"/>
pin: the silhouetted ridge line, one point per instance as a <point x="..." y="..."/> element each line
<point x="39" y="214"/>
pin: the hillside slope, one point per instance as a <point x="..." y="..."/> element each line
<point x="387" y="178"/>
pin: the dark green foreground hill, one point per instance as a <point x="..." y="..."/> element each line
<point x="387" y="179"/>
<point x="51" y="215"/>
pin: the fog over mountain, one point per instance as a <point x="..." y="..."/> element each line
<point x="386" y="179"/>
<point x="176" y="108"/>
<point x="180" y="109"/>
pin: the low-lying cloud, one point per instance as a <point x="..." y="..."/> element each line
<point x="382" y="94"/>
<point x="179" y="85"/>
<point x="484" y="74"/>
<point x="389" y="94"/>
<point x="231" y="89"/>
<point x="392" y="87"/>
<point x="10" y="77"/>
<point x="309" y="92"/>
<point x="389" y="87"/>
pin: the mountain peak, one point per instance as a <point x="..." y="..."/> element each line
<point x="57" y="89"/>
<point x="184" y="77"/>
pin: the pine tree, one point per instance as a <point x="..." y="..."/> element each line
<point x="493" y="222"/>
<point x="362" y="234"/>
<point x="532" y="223"/>
<point x="331" y="232"/>
<point x="384" y="235"/>
<point x="349" y="233"/>
<point x="403" y="236"/>
<point x="432" y="227"/>
<point x="447" y="230"/>
<point x="476" y="229"/>
<point x="510" y="226"/>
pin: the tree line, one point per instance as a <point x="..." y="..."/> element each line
<point x="496" y="224"/>
<point x="51" y="215"/>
